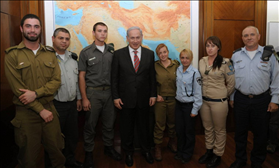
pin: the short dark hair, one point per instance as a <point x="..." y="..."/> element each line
<point x="30" y="16"/>
<point x="99" y="23"/>
<point x="60" y="29"/>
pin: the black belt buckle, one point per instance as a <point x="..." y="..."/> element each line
<point x="251" y="96"/>
<point x="103" y="88"/>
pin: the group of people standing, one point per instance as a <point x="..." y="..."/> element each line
<point x="50" y="86"/>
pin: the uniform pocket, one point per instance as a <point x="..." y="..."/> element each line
<point x="264" y="67"/>
<point x="48" y="70"/>
<point x="20" y="136"/>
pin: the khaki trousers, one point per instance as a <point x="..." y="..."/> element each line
<point x="214" y="116"/>
<point x="164" y="115"/>
<point x="31" y="131"/>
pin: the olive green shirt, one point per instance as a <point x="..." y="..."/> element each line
<point x="39" y="73"/>
<point x="166" y="78"/>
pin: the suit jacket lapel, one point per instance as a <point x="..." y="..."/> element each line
<point x="143" y="59"/>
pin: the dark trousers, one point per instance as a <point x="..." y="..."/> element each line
<point x="273" y="128"/>
<point x="251" y="111"/>
<point x="185" y="129"/>
<point x="68" y="118"/>
<point x="135" y="119"/>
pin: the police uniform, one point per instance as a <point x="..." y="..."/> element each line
<point x="97" y="66"/>
<point x="65" y="102"/>
<point x="39" y="73"/>
<point x="256" y="84"/>
<point x="189" y="101"/>
<point x="217" y="85"/>
<point x="164" y="111"/>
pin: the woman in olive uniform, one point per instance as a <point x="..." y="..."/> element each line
<point x="218" y="83"/>
<point x="165" y="105"/>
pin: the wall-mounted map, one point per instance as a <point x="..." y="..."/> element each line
<point x="165" y="22"/>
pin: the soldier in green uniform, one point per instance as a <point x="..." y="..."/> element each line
<point x="34" y="76"/>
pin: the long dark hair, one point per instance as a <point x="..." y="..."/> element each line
<point x="219" y="59"/>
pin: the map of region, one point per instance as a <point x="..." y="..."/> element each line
<point x="165" y="22"/>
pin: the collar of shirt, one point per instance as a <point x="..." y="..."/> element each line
<point x="132" y="54"/>
<point x="94" y="47"/>
<point x="259" y="49"/>
<point x="190" y="68"/>
<point x="67" y="54"/>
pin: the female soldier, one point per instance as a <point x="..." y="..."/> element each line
<point x="188" y="102"/>
<point x="165" y="105"/>
<point x="218" y="83"/>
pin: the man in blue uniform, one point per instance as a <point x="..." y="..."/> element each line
<point x="256" y="95"/>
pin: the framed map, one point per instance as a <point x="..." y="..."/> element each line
<point x="168" y="22"/>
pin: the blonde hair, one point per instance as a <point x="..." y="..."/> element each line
<point x="188" y="52"/>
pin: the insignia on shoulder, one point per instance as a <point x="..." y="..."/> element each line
<point x="50" y="49"/>
<point x="111" y="47"/>
<point x="239" y="49"/>
<point x="199" y="80"/>
<point x="74" y="55"/>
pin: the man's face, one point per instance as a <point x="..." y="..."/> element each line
<point x="31" y="29"/>
<point x="250" y="38"/>
<point x="100" y="33"/>
<point x="61" y="42"/>
<point x="134" y="38"/>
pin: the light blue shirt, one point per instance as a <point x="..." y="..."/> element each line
<point x="255" y="76"/>
<point x="184" y="80"/>
<point x="69" y="89"/>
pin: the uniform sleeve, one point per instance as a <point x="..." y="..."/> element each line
<point x="82" y="61"/>
<point x="197" y="94"/>
<point x="51" y="87"/>
<point x="274" y="80"/>
<point x="229" y="77"/>
<point x="14" y="78"/>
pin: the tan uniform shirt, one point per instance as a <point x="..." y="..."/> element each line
<point x="40" y="73"/>
<point x="166" y="78"/>
<point x="219" y="83"/>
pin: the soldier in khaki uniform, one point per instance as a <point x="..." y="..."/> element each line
<point x="218" y="83"/>
<point x="34" y="76"/>
<point x="165" y="106"/>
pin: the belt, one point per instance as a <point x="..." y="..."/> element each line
<point x="168" y="97"/>
<point x="254" y="96"/>
<point x="101" y="88"/>
<point x="186" y="103"/>
<point x="213" y="100"/>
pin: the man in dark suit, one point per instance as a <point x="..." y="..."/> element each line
<point x="134" y="91"/>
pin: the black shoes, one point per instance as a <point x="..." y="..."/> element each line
<point x="110" y="151"/>
<point x="148" y="157"/>
<point x="88" y="161"/>
<point x="214" y="161"/>
<point x="129" y="160"/>
<point x="237" y="164"/>
<point x="183" y="160"/>
<point x="74" y="164"/>
<point x="206" y="157"/>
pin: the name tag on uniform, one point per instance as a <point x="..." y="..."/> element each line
<point x="92" y="58"/>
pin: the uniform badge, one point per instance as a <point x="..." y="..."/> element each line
<point x="21" y="63"/>
<point x="230" y="73"/>
<point x="199" y="80"/>
<point x="231" y="67"/>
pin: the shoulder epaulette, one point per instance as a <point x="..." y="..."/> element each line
<point x="111" y="47"/>
<point x="176" y="62"/>
<point x="86" y="48"/>
<point x="239" y="49"/>
<point x="10" y="49"/>
<point x="74" y="55"/>
<point x="50" y="48"/>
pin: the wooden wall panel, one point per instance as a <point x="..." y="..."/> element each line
<point x="227" y="19"/>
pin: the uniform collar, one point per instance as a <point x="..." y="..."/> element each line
<point x="93" y="45"/>
<point x="259" y="49"/>
<point x="190" y="68"/>
<point x="171" y="64"/>
<point x="22" y="45"/>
